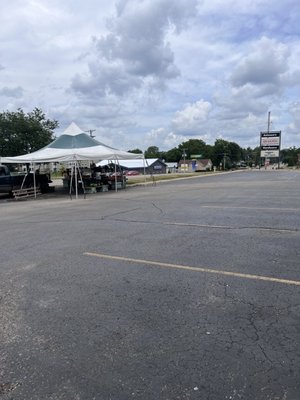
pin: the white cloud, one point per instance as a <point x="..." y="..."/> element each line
<point x="172" y="140"/>
<point x="134" y="54"/>
<point x="155" y="72"/>
<point x="190" y="119"/>
<point x="264" y="66"/>
<point x="294" y="126"/>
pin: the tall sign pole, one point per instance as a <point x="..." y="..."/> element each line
<point x="270" y="143"/>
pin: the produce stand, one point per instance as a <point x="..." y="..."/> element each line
<point x="93" y="179"/>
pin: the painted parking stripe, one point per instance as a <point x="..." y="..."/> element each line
<point x="197" y="269"/>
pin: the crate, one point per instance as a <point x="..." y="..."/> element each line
<point x="90" y="189"/>
<point x="25" y="193"/>
<point x="104" y="188"/>
<point x="120" y="185"/>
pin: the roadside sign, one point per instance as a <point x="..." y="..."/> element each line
<point x="196" y="155"/>
<point x="270" y="144"/>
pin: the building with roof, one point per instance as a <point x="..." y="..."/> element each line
<point x="148" y="166"/>
<point x="172" y="167"/>
<point x="195" y="165"/>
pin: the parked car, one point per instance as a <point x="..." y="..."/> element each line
<point x="10" y="182"/>
<point x="116" y="174"/>
<point x="131" y="173"/>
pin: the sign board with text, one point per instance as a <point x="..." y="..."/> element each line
<point x="270" y="144"/>
<point x="196" y="155"/>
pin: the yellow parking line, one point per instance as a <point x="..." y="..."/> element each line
<point x="197" y="269"/>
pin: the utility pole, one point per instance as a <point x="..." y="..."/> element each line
<point x="269" y="126"/>
<point x="90" y="131"/>
<point x="269" y="120"/>
<point x="184" y="155"/>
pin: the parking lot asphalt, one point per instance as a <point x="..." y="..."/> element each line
<point x="184" y="290"/>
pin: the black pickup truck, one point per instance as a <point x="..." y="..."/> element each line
<point x="10" y="182"/>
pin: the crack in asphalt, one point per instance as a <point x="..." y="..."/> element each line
<point x="193" y="225"/>
<point x="178" y="224"/>
<point x="158" y="208"/>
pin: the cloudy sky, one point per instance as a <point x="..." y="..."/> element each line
<point x="155" y="72"/>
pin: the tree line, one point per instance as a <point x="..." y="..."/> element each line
<point x="22" y="133"/>
<point x="222" y="152"/>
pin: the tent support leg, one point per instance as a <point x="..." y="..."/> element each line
<point x="34" y="180"/>
<point x="83" y="188"/>
<point x="76" y="180"/>
<point x="116" y="178"/>
<point x="71" y="181"/>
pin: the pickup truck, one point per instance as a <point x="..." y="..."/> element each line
<point x="10" y="182"/>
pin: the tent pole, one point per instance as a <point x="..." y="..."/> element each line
<point x="76" y="181"/>
<point x="144" y="168"/>
<point x="25" y="176"/>
<point x="121" y="174"/>
<point x="83" y="188"/>
<point x="34" y="181"/>
<point x="71" y="180"/>
<point x="116" y="189"/>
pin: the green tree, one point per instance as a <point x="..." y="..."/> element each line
<point x="152" y="152"/>
<point x="173" y="155"/>
<point x="22" y="133"/>
<point x="290" y="156"/>
<point x="135" y="151"/>
<point x="226" y="152"/>
<point x="190" y="147"/>
<point x="220" y="152"/>
<point x="193" y="146"/>
<point x="235" y="152"/>
<point x="209" y="152"/>
<point x="251" y="156"/>
<point x="256" y="156"/>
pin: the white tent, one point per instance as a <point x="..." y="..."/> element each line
<point x="72" y="146"/>
<point x="140" y="163"/>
